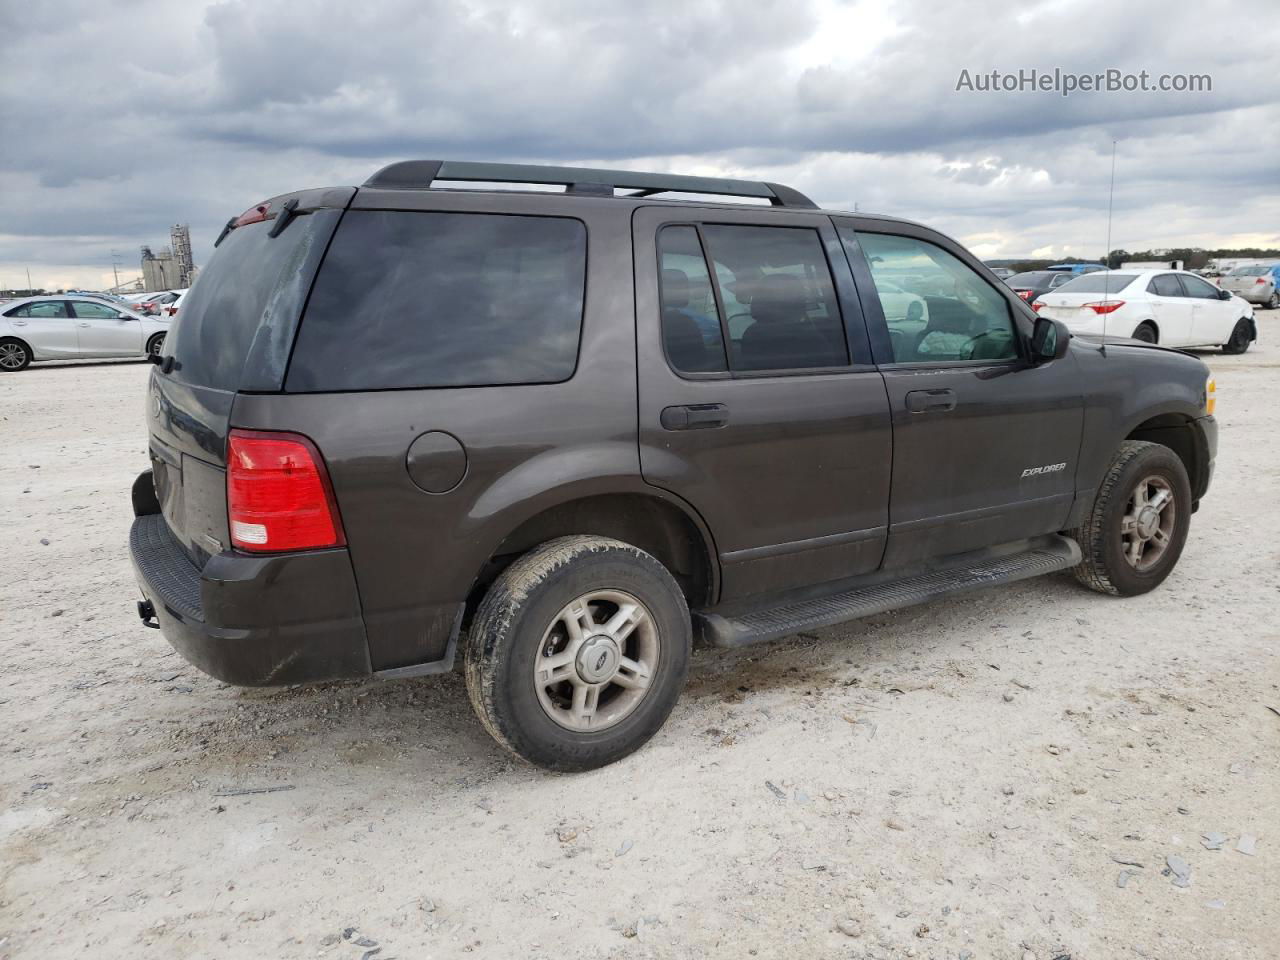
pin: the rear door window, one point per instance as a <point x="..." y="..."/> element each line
<point x="691" y="330"/>
<point x="773" y="293"/>
<point x="426" y="299"/>
<point x="45" y="308"/>
<point x="1165" y="285"/>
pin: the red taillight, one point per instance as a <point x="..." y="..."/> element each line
<point x="255" y="214"/>
<point x="1025" y="294"/>
<point x="278" y="494"/>
<point x="1037" y="305"/>
<point x="1105" y="306"/>
<point x="1261" y="280"/>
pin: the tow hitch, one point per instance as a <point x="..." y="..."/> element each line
<point x="147" y="614"/>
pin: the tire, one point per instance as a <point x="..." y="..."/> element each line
<point x="14" y="355"/>
<point x="1105" y="565"/>
<point x="155" y="345"/>
<point x="1240" y="339"/>
<point x="1273" y="303"/>
<point x="523" y="621"/>
<point x="1146" y="332"/>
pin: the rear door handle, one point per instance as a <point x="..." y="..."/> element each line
<point x="927" y="401"/>
<point x="82" y="324"/>
<point x="695" y="416"/>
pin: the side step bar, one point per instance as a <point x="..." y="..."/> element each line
<point x="1047" y="556"/>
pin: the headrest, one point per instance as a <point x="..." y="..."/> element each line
<point x="675" y="288"/>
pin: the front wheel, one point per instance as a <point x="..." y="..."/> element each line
<point x="1132" y="537"/>
<point x="578" y="652"/>
<point x="1240" y="339"/>
<point x="155" y="345"/>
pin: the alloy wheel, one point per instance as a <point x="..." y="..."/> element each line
<point x="1146" y="530"/>
<point x="596" y="660"/>
<point x="12" y="356"/>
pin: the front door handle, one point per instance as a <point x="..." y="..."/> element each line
<point x="926" y="401"/>
<point x="695" y="416"/>
<point x="82" y="325"/>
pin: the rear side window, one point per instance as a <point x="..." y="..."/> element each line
<point x="1165" y="285"/>
<point x="424" y="299"/>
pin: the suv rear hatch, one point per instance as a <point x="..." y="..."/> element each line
<point x="234" y="333"/>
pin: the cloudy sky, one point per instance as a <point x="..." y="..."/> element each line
<point x="121" y="118"/>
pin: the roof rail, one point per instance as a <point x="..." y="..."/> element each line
<point x="420" y="174"/>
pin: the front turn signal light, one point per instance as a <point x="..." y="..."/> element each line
<point x="1210" y="396"/>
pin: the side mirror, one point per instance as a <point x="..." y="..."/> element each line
<point x="1224" y="294"/>
<point x="1049" y="339"/>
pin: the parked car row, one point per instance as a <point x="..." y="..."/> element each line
<point x="156" y="302"/>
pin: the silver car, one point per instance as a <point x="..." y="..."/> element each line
<point x="1255" y="282"/>
<point x="74" y="327"/>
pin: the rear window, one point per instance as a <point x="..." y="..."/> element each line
<point x="1098" y="283"/>
<point x="1250" y="271"/>
<point x="1029" y="279"/>
<point x="250" y="290"/>
<point x="425" y="299"/>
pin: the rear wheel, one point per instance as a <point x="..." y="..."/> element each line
<point x="14" y="355"/>
<point x="1240" y="339"/>
<point x="155" y="345"/>
<point x="1133" y="535"/>
<point x="1273" y="303"/>
<point x="1146" y="333"/>
<point x="578" y="652"/>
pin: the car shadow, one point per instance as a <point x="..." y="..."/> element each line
<point x="425" y="727"/>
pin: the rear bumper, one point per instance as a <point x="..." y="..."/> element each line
<point x="253" y="620"/>
<point x="1257" y="293"/>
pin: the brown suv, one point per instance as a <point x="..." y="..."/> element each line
<point x="569" y="430"/>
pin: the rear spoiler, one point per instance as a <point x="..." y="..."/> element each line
<point x="284" y="208"/>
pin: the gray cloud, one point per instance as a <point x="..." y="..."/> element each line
<point x="125" y="117"/>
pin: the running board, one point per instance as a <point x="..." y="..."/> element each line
<point x="1048" y="556"/>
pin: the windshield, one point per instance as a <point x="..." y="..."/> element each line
<point x="1098" y="283"/>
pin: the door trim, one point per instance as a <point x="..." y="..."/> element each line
<point x="802" y="546"/>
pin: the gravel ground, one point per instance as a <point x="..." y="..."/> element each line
<point x="962" y="779"/>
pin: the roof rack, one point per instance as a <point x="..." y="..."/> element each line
<point x="420" y="174"/>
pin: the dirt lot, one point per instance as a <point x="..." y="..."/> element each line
<point x="963" y="779"/>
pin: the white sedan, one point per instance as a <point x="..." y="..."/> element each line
<point x="1169" y="307"/>
<point x="68" y="327"/>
